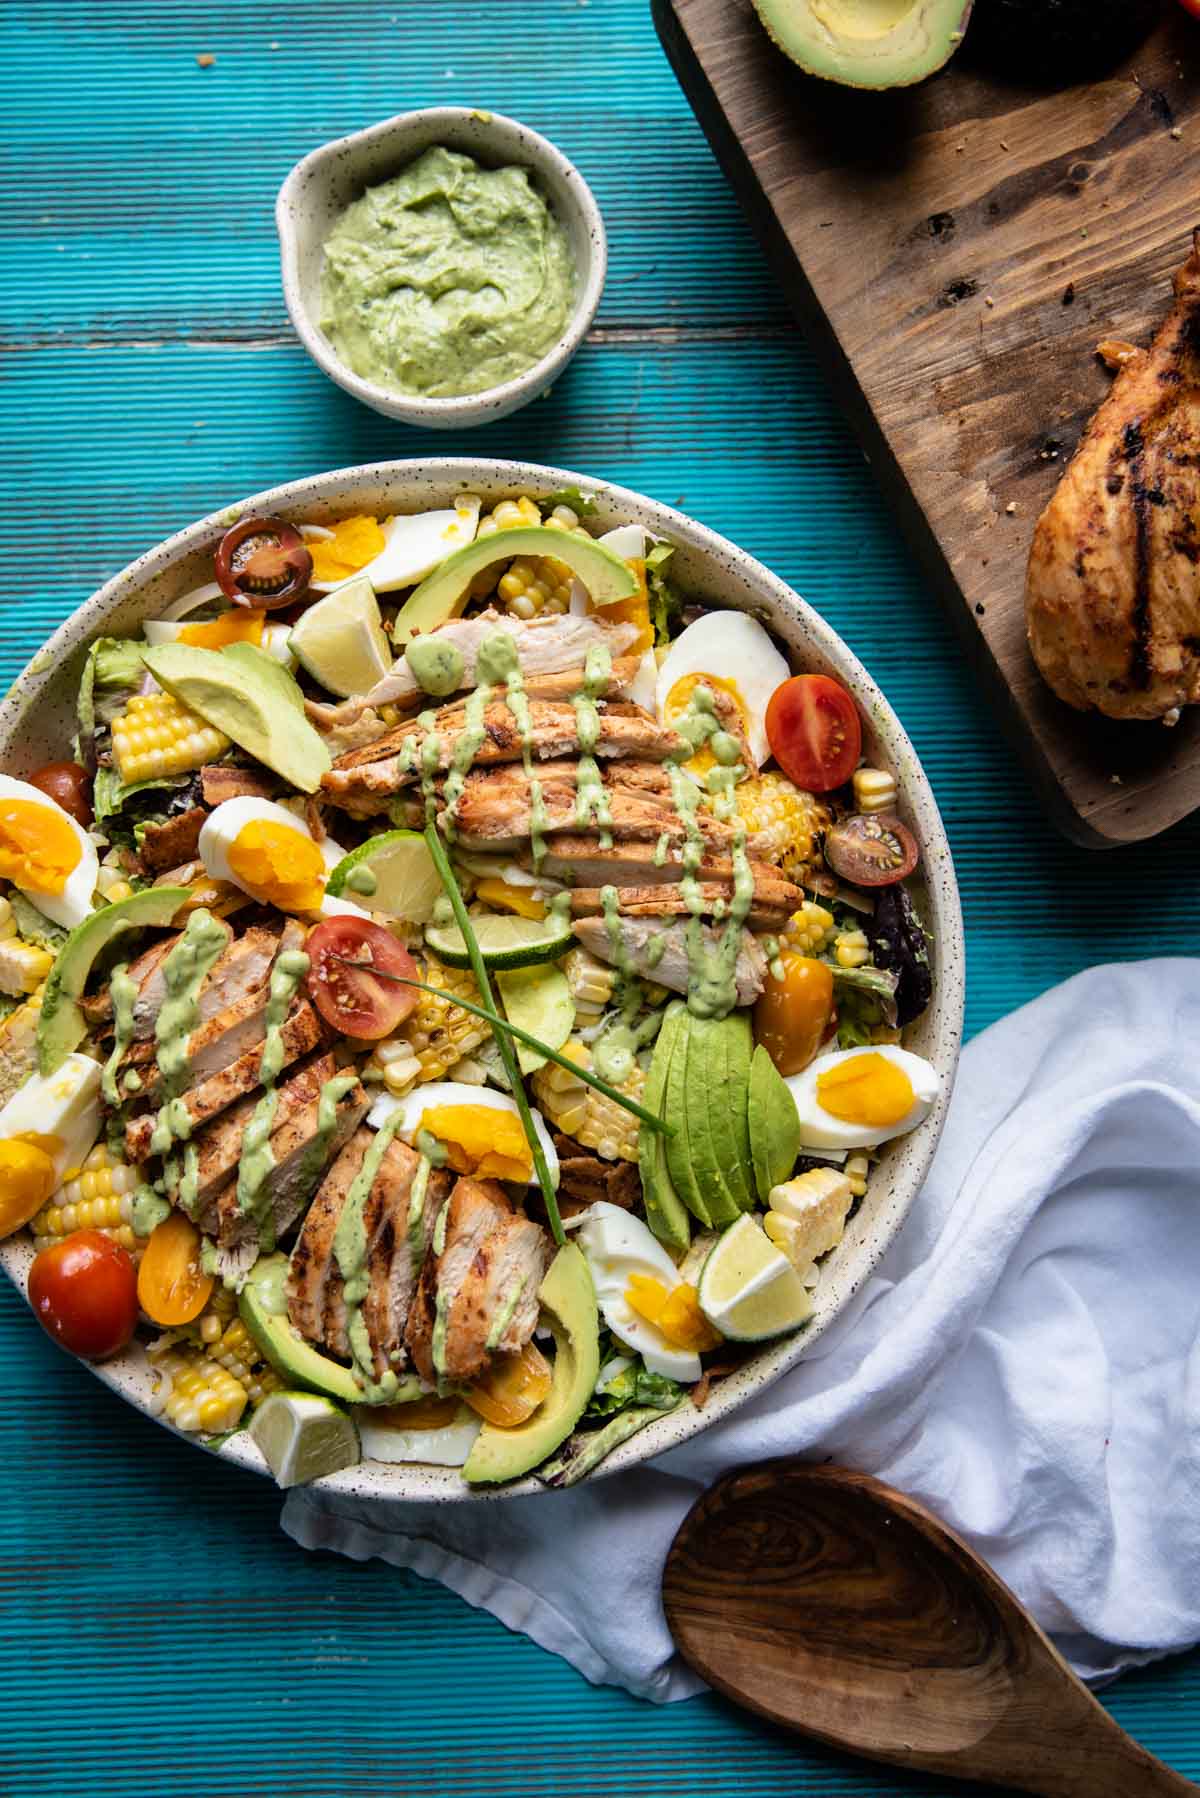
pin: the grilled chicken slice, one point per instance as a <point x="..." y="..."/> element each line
<point x="667" y="961"/>
<point x="383" y="769"/>
<point x="300" y="1152"/>
<point x="1112" y="592"/>
<point x="232" y="1003"/>
<point x="495" y="808"/>
<point x="479" y="1296"/>
<point x="316" y="1303"/>
<point x="241" y="969"/>
<point x="775" y="899"/>
<point x="97" y="1008"/>
<point x="300" y="1033"/>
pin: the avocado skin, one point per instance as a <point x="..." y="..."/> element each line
<point x="61" y="1024"/>
<point x="443" y="594"/>
<point x="240" y="690"/>
<point x="666" y="1213"/>
<point x="568" y="1301"/>
<point x="774" y="1125"/>
<point x="935" y="29"/>
<point x="287" y="1352"/>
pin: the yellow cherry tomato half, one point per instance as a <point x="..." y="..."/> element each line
<point x="172" y="1286"/>
<point x="792" y="1018"/>
<point x="512" y="1388"/>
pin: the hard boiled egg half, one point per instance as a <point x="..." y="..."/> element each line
<point x="398" y="553"/>
<point x="734" y="657"/>
<point x="859" y="1098"/>
<point x="439" y="1432"/>
<point x="58" y="1112"/>
<point x="270" y="853"/>
<point x="479" y="1128"/>
<point x="619" y="1246"/>
<point x="45" y="853"/>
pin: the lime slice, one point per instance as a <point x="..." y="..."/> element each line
<point x="340" y="640"/>
<point x="303" y="1436"/>
<point x="507" y="942"/>
<point x="538" y="1000"/>
<point x="392" y="873"/>
<point x="748" y="1290"/>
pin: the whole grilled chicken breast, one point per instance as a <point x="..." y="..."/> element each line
<point x="1112" y="593"/>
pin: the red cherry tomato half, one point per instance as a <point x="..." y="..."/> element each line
<point x="84" y="1293"/>
<point x="68" y="785"/>
<point x="814" y="732"/>
<point x="263" y="562"/>
<point x="871" y="850"/>
<point x="354" y="1000"/>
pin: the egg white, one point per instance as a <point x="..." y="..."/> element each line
<point x="819" y="1129"/>
<point x="736" y="649"/>
<point x="225" y="824"/>
<point x="618" y="1245"/>
<point x="626" y="540"/>
<point x="447" y="1446"/>
<point x="74" y="903"/>
<point x="413" y="546"/>
<point x="63" y="1107"/>
<point x="456" y="1092"/>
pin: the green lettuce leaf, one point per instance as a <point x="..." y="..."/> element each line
<point x="875" y="983"/>
<point x="635" y="1386"/>
<point x="666" y="601"/>
<point x="587" y="1448"/>
<point x="113" y="671"/>
<point x="32" y="926"/>
<point x="568" y="496"/>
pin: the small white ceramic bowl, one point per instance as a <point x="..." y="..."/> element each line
<point x="330" y="178"/>
<point x="37" y="720"/>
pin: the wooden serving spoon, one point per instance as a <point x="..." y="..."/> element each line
<point x="830" y="1603"/>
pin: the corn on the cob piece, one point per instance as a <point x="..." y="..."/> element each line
<point x="851" y="949"/>
<point x="874" y="790"/>
<point x="196" y="1394"/>
<point x="238" y="1353"/>
<point x="809" y="929"/>
<point x="594" y="1120"/>
<point x="434" y="1036"/>
<point x="782" y="820"/>
<point x="23" y="966"/>
<point x="857" y="1171"/>
<point x="156" y="736"/>
<point x="97" y="1196"/>
<point x="18" y="1045"/>
<point x="591" y="981"/>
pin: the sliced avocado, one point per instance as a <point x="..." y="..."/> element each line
<point x="61" y="1023"/>
<point x="568" y="1302"/>
<point x="443" y="594"/>
<point x="666" y="1213"/>
<point x="739" y="1047"/>
<point x="250" y="697"/>
<point x="710" y="1134"/>
<point x="862" y="43"/>
<point x="263" y="1309"/>
<point x="678" y="1113"/>
<point x="774" y="1124"/>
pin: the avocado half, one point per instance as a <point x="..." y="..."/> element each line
<point x="867" y="43"/>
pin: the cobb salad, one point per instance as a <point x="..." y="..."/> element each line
<point x="454" y="988"/>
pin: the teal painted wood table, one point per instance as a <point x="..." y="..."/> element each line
<point x="158" y="1635"/>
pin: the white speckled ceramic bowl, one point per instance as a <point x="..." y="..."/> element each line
<point x="320" y="187"/>
<point x="37" y="721"/>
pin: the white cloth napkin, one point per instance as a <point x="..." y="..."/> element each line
<point x="1025" y="1360"/>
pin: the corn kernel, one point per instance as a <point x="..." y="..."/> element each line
<point x="856" y="1170"/>
<point x="851" y="949"/>
<point x="809" y="929"/>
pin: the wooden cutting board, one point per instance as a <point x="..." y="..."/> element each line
<point x="954" y="252"/>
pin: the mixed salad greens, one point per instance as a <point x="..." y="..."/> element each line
<point x="455" y="988"/>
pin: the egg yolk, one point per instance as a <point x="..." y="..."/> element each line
<point x="675" y="1312"/>
<point x="868" y="1090"/>
<point x="26" y="1182"/>
<point x="678" y="702"/>
<point x="239" y="625"/>
<point x="278" y="865"/>
<point x="355" y="542"/>
<point x="419" y="1414"/>
<point x="635" y="610"/>
<point x="480" y="1140"/>
<point x="38" y="848"/>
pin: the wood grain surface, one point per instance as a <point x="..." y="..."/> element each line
<point x="839" y="1607"/>
<point x="159" y="1636"/>
<point x="955" y="251"/>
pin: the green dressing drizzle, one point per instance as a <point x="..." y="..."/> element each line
<point x="124" y="991"/>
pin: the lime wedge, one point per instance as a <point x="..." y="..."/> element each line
<point x="392" y="873"/>
<point x="749" y="1290"/>
<point x="505" y="942"/>
<point x="538" y="1000"/>
<point x="340" y="640"/>
<point x="303" y="1436"/>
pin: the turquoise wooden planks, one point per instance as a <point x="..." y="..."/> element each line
<point x="160" y="1635"/>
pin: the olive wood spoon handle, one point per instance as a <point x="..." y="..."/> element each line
<point x="834" y="1605"/>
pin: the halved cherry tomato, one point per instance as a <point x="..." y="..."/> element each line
<point x="352" y="999"/>
<point x="172" y="1287"/>
<point x="871" y="849"/>
<point x="814" y="731"/>
<point x="68" y="785"/>
<point x="84" y="1293"/>
<point x="792" y="1018"/>
<point x="263" y="562"/>
<point x="512" y="1388"/>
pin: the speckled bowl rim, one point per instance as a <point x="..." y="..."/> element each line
<point x="462" y="409"/>
<point x="729" y="575"/>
